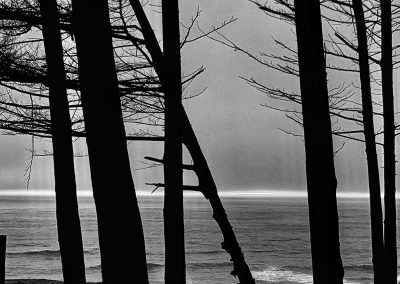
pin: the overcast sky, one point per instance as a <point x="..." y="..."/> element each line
<point x="241" y="139"/>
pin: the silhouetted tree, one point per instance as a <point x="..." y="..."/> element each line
<point x="121" y="240"/>
<point x="209" y="189"/>
<point x="173" y="172"/>
<point x="68" y="224"/>
<point x="370" y="145"/>
<point x="389" y="142"/>
<point x="320" y="169"/>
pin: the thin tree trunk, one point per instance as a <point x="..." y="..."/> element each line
<point x="68" y="224"/>
<point x="370" y="146"/>
<point x="389" y="144"/>
<point x="173" y="175"/>
<point x="208" y="187"/>
<point x="121" y="240"/>
<point x="320" y="169"/>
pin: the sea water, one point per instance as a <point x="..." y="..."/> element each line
<point x="272" y="231"/>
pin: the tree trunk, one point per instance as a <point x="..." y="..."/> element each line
<point x="208" y="187"/>
<point x="68" y="224"/>
<point x="173" y="175"/>
<point x="121" y="240"/>
<point x="370" y="146"/>
<point x="3" y="246"/>
<point x="320" y="169"/>
<point x="389" y="144"/>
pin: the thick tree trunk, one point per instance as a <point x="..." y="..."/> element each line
<point x="207" y="184"/>
<point x="389" y="144"/>
<point x="370" y="147"/>
<point x="320" y="169"/>
<point x="173" y="175"/>
<point x="121" y="240"/>
<point x="68" y="224"/>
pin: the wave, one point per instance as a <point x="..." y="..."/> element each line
<point x="360" y="267"/>
<point x="277" y="275"/>
<point x="208" y="265"/>
<point x="206" y="252"/>
<point x="93" y="268"/>
<point x="44" y="253"/>
<point x="154" y="266"/>
<point x="150" y="266"/>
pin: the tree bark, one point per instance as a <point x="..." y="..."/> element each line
<point x="121" y="240"/>
<point x="389" y="144"/>
<point x="173" y="175"/>
<point x="68" y="223"/>
<point x="370" y="146"/>
<point x="320" y="169"/>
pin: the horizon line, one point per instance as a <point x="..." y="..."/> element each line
<point x="274" y="193"/>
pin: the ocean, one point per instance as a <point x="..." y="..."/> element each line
<point x="272" y="231"/>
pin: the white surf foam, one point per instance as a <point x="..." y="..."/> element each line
<point x="275" y="275"/>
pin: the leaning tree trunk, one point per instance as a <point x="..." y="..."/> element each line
<point x="208" y="187"/>
<point x="173" y="175"/>
<point x="389" y="144"/>
<point x="121" y="240"/>
<point x="320" y="169"/>
<point x="68" y="224"/>
<point x="370" y="147"/>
